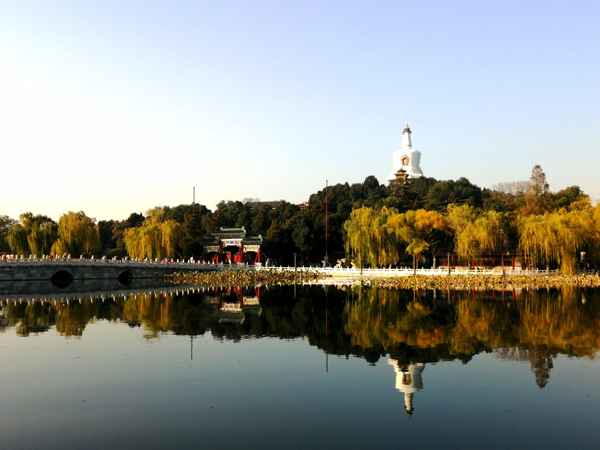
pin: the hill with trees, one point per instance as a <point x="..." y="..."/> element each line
<point x="405" y="222"/>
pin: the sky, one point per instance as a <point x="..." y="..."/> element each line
<point x="114" y="107"/>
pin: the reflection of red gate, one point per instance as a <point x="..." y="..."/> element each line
<point x="239" y="293"/>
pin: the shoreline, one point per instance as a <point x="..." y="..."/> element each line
<point x="426" y="282"/>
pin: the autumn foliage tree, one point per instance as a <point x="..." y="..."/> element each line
<point x="476" y="232"/>
<point x="369" y="238"/>
<point x="78" y="235"/>
<point x="157" y="237"/>
<point x="555" y="237"/>
<point x="33" y="235"/>
<point x="416" y="229"/>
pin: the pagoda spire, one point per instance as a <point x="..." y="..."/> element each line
<point x="406" y="141"/>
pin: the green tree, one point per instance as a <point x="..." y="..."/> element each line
<point x="6" y="224"/>
<point x="17" y="239"/>
<point x="572" y="195"/>
<point x="33" y="235"/>
<point x="444" y="193"/>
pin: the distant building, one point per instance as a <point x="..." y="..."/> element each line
<point x="407" y="160"/>
<point x="231" y="246"/>
<point x="303" y="205"/>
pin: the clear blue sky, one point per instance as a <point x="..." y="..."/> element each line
<point x="113" y="107"/>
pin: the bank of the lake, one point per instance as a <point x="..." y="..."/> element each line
<point x="462" y="281"/>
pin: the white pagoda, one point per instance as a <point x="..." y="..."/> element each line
<point x="407" y="160"/>
<point x="408" y="381"/>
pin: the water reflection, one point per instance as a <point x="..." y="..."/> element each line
<point x="413" y="328"/>
<point x="409" y="380"/>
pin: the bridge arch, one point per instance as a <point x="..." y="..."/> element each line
<point x="126" y="277"/>
<point x="62" y="278"/>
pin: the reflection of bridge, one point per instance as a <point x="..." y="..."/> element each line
<point x="65" y="269"/>
<point x="44" y="291"/>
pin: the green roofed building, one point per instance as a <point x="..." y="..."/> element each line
<point x="231" y="246"/>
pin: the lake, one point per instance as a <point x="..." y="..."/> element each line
<point x="163" y="366"/>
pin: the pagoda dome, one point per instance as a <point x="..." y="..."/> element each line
<point x="407" y="158"/>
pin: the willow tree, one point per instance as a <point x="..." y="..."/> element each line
<point x="416" y="229"/>
<point x="155" y="238"/>
<point x="477" y="233"/>
<point x="555" y="237"/>
<point x="33" y="235"/>
<point x="368" y="238"/>
<point x="593" y="240"/>
<point x="78" y="235"/>
<point x="6" y="224"/>
<point x="41" y="233"/>
<point x="17" y="240"/>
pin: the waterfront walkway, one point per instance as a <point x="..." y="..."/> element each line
<point x="82" y="268"/>
<point x="354" y="274"/>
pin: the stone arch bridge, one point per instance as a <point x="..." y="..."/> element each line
<point x="67" y="269"/>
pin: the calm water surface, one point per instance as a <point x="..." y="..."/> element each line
<point x="304" y="367"/>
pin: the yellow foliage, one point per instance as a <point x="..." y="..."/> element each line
<point x="155" y="238"/>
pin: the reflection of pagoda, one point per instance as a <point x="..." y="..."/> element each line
<point x="233" y="303"/>
<point x="231" y="246"/>
<point x="408" y="381"/>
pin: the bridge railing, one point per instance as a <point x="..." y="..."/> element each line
<point x="386" y="272"/>
<point x="46" y="260"/>
<point x="327" y="271"/>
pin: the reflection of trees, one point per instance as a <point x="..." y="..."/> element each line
<point x="163" y="313"/>
<point x="72" y="318"/>
<point x="410" y="326"/>
<point x="553" y="322"/>
<point x="535" y="328"/>
<point x="540" y="359"/>
<point x="386" y="318"/>
<point x="390" y="318"/>
<point x="29" y="318"/>
<point x="557" y="319"/>
<point x="479" y="325"/>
